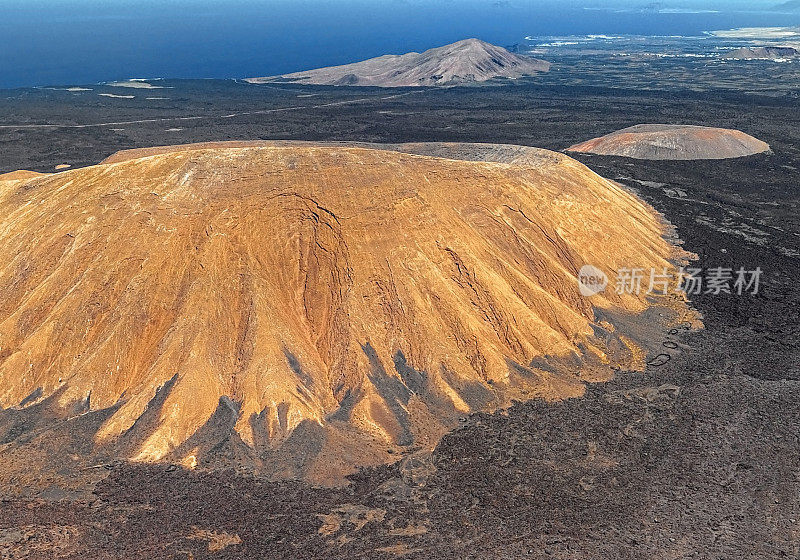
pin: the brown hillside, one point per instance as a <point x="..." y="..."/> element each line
<point x="673" y="142"/>
<point x="20" y="175"/>
<point x="324" y="302"/>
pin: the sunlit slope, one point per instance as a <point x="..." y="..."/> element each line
<point x="674" y="142"/>
<point x="362" y="290"/>
<point x="467" y="61"/>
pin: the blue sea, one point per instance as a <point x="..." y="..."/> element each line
<point x="68" y="42"/>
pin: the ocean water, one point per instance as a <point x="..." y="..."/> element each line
<point x="68" y="42"/>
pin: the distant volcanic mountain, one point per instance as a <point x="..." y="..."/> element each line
<point x="763" y="53"/>
<point x="463" y="62"/>
<point x="673" y="142"/>
<point x="303" y="309"/>
<point x="789" y="5"/>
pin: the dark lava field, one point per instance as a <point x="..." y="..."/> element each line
<point x="696" y="458"/>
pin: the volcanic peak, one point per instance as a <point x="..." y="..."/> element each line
<point x="470" y="60"/>
<point x="301" y="309"/>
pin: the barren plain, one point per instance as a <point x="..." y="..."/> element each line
<point x="696" y="456"/>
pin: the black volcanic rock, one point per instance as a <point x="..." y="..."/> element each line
<point x="763" y="53"/>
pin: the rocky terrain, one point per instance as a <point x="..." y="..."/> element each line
<point x="301" y="310"/>
<point x="22" y="174"/>
<point x="673" y="142"/>
<point x="470" y="60"/>
<point x="693" y="458"/>
<point x="762" y="53"/>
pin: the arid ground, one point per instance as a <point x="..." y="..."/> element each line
<point x="697" y="457"/>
